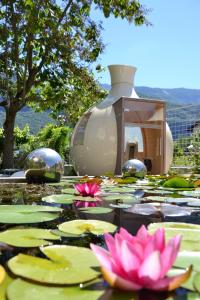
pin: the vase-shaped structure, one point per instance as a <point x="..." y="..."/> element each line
<point x="122" y="127"/>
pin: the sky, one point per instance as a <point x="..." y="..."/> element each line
<point x="166" y="54"/>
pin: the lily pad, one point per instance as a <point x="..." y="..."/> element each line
<point x="187" y="258"/>
<point x="71" y="191"/>
<point x="96" y="210"/>
<point x="121" y="189"/>
<point x="156" y="198"/>
<point x="88" y="199"/>
<point x="166" y="209"/>
<point x="29" y="237"/>
<point x="160" y="192"/>
<point x="65" y="265"/>
<point x="21" y="289"/>
<point x="61" y="199"/>
<point x="120" y="205"/>
<point x="196" y="282"/>
<point x="191" y="193"/>
<point x="190" y="233"/>
<point x="20" y="214"/>
<point x="124" y="198"/>
<point x="84" y="226"/>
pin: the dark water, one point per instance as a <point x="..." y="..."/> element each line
<point x="32" y="194"/>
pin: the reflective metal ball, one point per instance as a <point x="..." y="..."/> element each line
<point x="43" y="165"/>
<point x="134" y="168"/>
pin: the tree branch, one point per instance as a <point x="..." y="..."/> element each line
<point x="15" y="42"/>
<point x="65" y="11"/>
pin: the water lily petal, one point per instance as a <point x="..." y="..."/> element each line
<point x="130" y="260"/>
<point x="102" y="255"/>
<point x="119" y="282"/>
<point x="171" y="283"/>
<point x="159" y="239"/>
<point x="151" y="267"/>
<point x="125" y="234"/>
<point x="169" y="254"/>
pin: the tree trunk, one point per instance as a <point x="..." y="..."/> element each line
<point x="8" y="143"/>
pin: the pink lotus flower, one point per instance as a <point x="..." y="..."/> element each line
<point x="142" y="261"/>
<point x="87" y="189"/>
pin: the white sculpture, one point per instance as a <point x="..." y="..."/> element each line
<point x="95" y="140"/>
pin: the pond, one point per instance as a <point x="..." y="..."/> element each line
<point x="35" y="216"/>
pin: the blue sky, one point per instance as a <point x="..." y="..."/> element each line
<point x="166" y="54"/>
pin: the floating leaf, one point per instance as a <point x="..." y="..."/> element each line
<point x="28" y="237"/>
<point x="120" y="205"/>
<point x="61" y="199"/>
<point x="84" y="226"/>
<point x="165" y="209"/>
<point x="96" y="210"/>
<point x="124" y="198"/>
<point x="65" y="265"/>
<point x="127" y="180"/>
<point x="196" y="282"/>
<point x="191" y="193"/>
<point x="177" y="200"/>
<point x="121" y="189"/>
<point x="23" y="290"/>
<point x="87" y="199"/>
<point x="186" y="258"/>
<point x="157" y="198"/>
<point x="190" y="233"/>
<point x="19" y="214"/>
<point x="160" y="192"/>
<point x="71" y="191"/>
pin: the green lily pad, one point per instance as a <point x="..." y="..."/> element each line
<point x="65" y="265"/>
<point x="187" y="258"/>
<point x="71" y="191"/>
<point x="120" y="205"/>
<point x="124" y="198"/>
<point x="61" y="199"/>
<point x="121" y="189"/>
<point x="191" y="193"/>
<point x="23" y="290"/>
<point x="156" y="198"/>
<point x="83" y="226"/>
<point x="196" y="282"/>
<point x="63" y="234"/>
<point x="96" y="210"/>
<point x="3" y="286"/>
<point x="20" y="214"/>
<point x="160" y="192"/>
<point x="28" y="237"/>
<point x="190" y="233"/>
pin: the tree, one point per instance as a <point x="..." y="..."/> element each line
<point x="46" y="51"/>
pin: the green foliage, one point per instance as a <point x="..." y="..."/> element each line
<point x="178" y="182"/>
<point x="54" y="137"/>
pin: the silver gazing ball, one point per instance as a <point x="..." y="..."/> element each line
<point x="134" y="168"/>
<point x="43" y="165"/>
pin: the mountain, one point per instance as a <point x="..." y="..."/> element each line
<point x="177" y="96"/>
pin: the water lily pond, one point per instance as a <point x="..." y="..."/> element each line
<point x="46" y="232"/>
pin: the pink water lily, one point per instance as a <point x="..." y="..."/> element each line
<point x="87" y="189"/>
<point x="142" y="261"/>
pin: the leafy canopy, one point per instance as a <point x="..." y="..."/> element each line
<point x="46" y="51"/>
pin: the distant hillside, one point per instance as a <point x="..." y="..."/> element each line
<point x="36" y="121"/>
<point x="175" y="97"/>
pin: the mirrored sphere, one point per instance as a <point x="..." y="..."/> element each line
<point x="134" y="168"/>
<point x="43" y="165"/>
